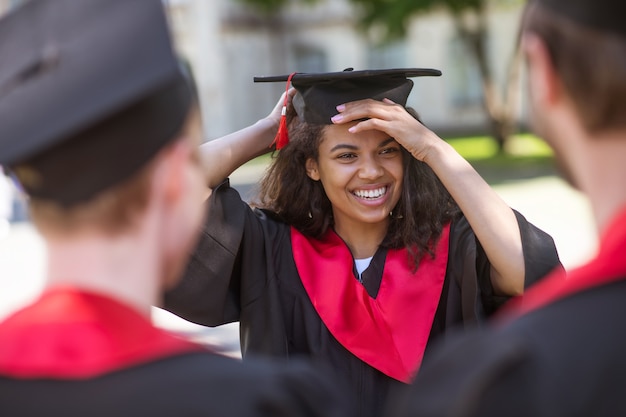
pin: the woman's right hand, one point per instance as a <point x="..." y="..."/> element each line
<point x="224" y="155"/>
<point x="276" y="112"/>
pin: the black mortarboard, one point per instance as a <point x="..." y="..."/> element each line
<point x="319" y="94"/>
<point x="607" y="15"/>
<point x="90" y="90"/>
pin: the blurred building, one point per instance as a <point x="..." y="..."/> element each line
<point x="228" y="43"/>
<point x="7" y="4"/>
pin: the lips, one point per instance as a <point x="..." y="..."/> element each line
<point x="371" y="194"/>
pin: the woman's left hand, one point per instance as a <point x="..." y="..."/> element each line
<point x="392" y="119"/>
<point x="492" y="220"/>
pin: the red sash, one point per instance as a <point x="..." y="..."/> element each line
<point x="608" y="266"/>
<point x="70" y="334"/>
<point x="389" y="332"/>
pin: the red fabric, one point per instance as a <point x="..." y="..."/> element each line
<point x="70" y="334"/>
<point x="389" y="332"/>
<point x="282" y="137"/>
<point x="608" y="266"/>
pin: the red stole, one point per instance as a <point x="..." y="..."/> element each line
<point x="389" y="332"/>
<point x="70" y="334"/>
<point x="608" y="266"/>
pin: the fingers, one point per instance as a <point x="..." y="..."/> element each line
<point x="281" y="101"/>
<point x="366" y="109"/>
<point x="278" y="108"/>
<point x="371" y="124"/>
<point x="290" y="93"/>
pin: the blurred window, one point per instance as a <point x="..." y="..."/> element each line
<point x="391" y="55"/>
<point x="310" y="59"/>
<point x="462" y="75"/>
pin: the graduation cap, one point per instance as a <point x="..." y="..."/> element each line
<point x="319" y="94"/>
<point x="606" y="15"/>
<point x="90" y="90"/>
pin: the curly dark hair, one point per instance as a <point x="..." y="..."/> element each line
<point x="425" y="205"/>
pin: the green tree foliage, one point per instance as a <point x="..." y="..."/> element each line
<point x="395" y="15"/>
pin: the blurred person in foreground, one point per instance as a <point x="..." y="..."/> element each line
<point x="559" y="351"/>
<point x="100" y="124"/>
<point x="6" y="204"/>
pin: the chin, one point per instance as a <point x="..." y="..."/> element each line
<point x="566" y="172"/>
<point x="177" y="257"/>
<point x="172" y="271"/>
<point x="382" y="218"/>
<point x="542" y="130"/>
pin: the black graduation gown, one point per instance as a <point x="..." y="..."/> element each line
<point x="79" y="354"/>
<point x="243" y="270"/>
<point x="561" y="352"/>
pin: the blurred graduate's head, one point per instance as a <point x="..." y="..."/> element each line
<point x="90" y="98"/>
<point x="585" y="42"/>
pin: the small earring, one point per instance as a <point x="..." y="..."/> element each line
<point x="310" y="215"/>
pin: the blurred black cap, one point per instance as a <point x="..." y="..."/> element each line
<point x="90" y="90"/>
<point x="320" y="93"/>
<point x="605" y="15"/>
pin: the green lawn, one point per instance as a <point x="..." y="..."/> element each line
<point x="477" y="148"/>
<point x="526" y="156"/>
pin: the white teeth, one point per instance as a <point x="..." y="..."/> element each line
<point x="377" y="193"/>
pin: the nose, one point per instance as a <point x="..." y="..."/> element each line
<point x="370" y="169"/>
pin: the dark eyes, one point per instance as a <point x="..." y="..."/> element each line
<point x="389" y="151"/>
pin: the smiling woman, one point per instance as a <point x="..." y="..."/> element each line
<point x="370" y="237"/>
<point x="362" y="177"/>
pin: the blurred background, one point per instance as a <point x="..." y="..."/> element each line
<point x="479" y="104"/>
<point x="229" y="42"/>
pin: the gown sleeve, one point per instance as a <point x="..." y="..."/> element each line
<point x="468" y="296"/>
<point x="210" y="292"/>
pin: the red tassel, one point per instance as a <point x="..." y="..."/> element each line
<point x="282" y="136"/>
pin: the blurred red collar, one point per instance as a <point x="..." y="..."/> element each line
<point x="71" y="334"/>
<point x="609" y="265"/>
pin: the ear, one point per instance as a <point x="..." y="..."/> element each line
<point x="543" y="80"/>
<point x="312" y="170"/>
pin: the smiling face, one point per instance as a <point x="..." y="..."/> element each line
<point x="361" y="175"/>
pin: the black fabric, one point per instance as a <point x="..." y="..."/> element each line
<point x="80" y="167"/>
<point x="372" y="276"/>
<point x="200" y="384"/>
<point x="566" y="359"/>
<point x="319" y="94"/>
<point x="243" y="270"/>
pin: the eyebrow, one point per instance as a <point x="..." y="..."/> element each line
<point x="354" y="147"/>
